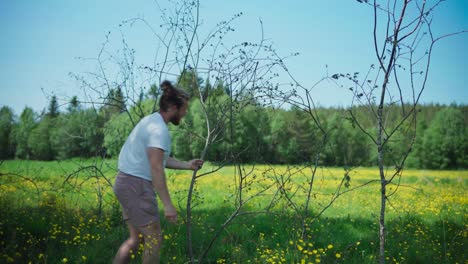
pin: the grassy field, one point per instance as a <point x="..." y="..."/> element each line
<point x="52" y="215"/>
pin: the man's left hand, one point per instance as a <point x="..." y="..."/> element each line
<point x="196" y="164"/>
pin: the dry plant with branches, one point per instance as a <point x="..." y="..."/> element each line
<point x="247" y="70"/>
<point x="404" y="42"/>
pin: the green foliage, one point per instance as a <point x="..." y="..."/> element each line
<point x="114" y="103"/>
<point x="78" y="134"/>
<point x="53" y="111"/>
<point x="116" y="132"/>
<point x="6" y="127"/>
<point x="22" y="131"/>
<point x="74" y="105"/>
<point x="190" y="82"/>
<point x="188" y="137"/>
<point x="39" y="140"/>
<point x="244" y="131"/>
<point x="444" y="143"/>
<point x="248" y="130"/>
<point x="347" y="145"/>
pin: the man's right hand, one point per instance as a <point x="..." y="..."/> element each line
<point x="171" y="213"/>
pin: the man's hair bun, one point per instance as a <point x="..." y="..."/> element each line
<point x="171" y="96"/>
<point x="166" y="87"/>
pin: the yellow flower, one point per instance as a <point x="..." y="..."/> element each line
<point x="64" y="260"/>
<point x="330" y="246"/>
<point x="338" y="255"/>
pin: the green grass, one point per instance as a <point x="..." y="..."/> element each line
<point x="55" y="221"/>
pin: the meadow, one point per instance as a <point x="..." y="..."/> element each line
<point x="65" y="212"/>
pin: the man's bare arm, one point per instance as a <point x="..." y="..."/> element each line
<point x="156" y="157"/>
<point x="173" y="163"/>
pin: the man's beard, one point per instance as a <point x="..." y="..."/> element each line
<point x="175" y="120"/>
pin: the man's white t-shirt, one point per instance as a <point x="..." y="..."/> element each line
<point x="151" y="131"/>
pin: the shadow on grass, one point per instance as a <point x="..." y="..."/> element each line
<point x="58" y="233"/>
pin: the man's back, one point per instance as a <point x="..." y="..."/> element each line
<point x="151" y="131"/>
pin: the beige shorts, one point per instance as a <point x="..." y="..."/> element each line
<point x="137" y="198"/>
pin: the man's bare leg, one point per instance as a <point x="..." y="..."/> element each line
<point x="152" y="236"/>
<point x="128" y="247"/>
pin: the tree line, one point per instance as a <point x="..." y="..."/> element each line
<point x="254" y="133"/>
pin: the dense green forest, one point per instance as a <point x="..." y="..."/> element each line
<point x="249" y="132"/>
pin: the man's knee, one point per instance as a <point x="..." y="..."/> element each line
<point x="133" y="243"/>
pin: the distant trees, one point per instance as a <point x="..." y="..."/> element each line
<point x="116" y="131"/>
<point x="38" y="141"/>
<point x="78" y="133"/>
<point x="51" y="135"/>
<point x="259" y="134"/>
<point x="347" y="146"/>
<point x="6" y="126"/>
<point x="53" y="110"/>
<point x="444" y="144"/>
<point x="22" y="131"/>
<point x="114" y="103"/>
<point x="190" y="82"/>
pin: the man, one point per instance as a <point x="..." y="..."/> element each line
<point x="141" y="165"/>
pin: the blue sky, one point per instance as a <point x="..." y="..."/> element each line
<point x="41" y="40"/>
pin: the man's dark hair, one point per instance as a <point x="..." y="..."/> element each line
<point x="171" y="96"/>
